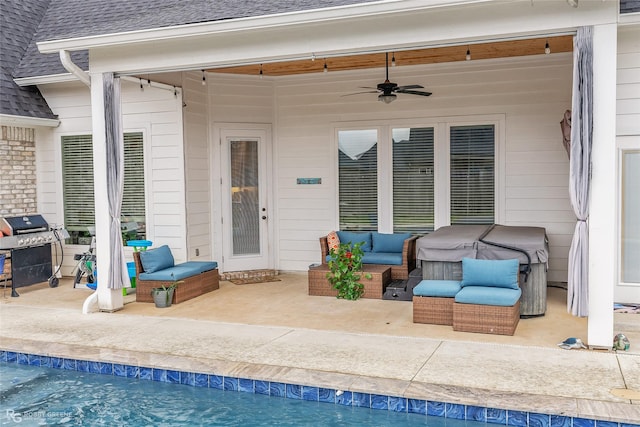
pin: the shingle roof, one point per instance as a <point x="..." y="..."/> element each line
<point x="79" y="18"/>
<point x="19" y="20"/>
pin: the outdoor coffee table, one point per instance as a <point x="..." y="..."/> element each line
<point x="373" y="288"/>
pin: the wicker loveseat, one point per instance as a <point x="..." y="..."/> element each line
<point x="397" y="251"/>
<point x="195" y="277"/>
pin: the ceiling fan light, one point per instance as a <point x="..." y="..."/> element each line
<point x="387" y="99"/>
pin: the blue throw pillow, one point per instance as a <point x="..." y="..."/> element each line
<point x="388" y="242"/>
<point x="353" y="237"/>
<point x="490" y="272"/>
<point x="156" y="259"/>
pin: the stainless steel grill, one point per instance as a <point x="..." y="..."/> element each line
<point x="28" y="240"/>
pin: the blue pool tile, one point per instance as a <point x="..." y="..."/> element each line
<point x="133" y="371"/>
<point x="293" y="391"/>
<point x="173" y="377"/>
<point x="56" y="362"/>
<point x="246" y="385"/>
<point x="262" y="387"/>
<point x="606" y="424"/>
<point x="69" y="364"/>
<point x="583" y="422"/>
<point x="277" y="389"/>
<point x="516" y="418"/>
<point x="560" y="421"/>
<point x="399" y="404"/>
<point x="103" y="368"/>
<point x="33" y="360"/>
<point x="145" y="373"/>
<point x="310" y="393"/>
<point x="379" y="401"/>
<point x="216" y="381"/>
<point x="435" y="408"/>
<point x="3" y="356"/>
<point x="327" y="395"/>
<point x="230" y="384"/>
<point x="454" y="411"/>
<point x="417" y="406"/>
<point x="476" y="413"/>
<point x="344" y="398"/>
<point x="23" y="359"/>
<point x="10" y="356"/>
<point x="539" y="420"/>
<point x="629" y="425"/>
<point x="362" y="400"/>
<point x="497" y="416"/>
<point x="82" y="366"/>
<point x="200" y="380"/>
<point x="188" y="378"/>
<point x="159" y="375"/>
<point x="119" y="370"/>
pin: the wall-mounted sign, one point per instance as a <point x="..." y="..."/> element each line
<point x="309" y="180"/>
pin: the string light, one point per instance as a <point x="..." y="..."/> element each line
<point x="547" y="49"/>
<point x="261" y="71"/>
<point x="204" y="78"/>
<point x="325" y="66"/>
<point x="393" y="59"/>
<point x="468" y="56"/>
<point x="175" y="92"/>
<point x="313" y="57"/>
<point x="141" y="86"/>
<point x="149" y="81"/>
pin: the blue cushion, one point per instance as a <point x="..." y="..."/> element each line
<point x="156" y="259"/>
<point x="437" y="288"/>
<point x="201" y="266"/>
<point x="490" y="272"/>
<point x="388" y="242"/>
<point x="486" y="295"/>
<point x="382" y="258"/>
<point x="353" y="237"/>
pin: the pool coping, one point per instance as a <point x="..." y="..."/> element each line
<point x="448" y="401"/>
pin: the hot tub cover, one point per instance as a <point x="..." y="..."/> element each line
<point x="450" y="243"/>
<point x="533" y="240"/>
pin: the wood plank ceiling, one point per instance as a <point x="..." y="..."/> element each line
<point x="501" y="49"/>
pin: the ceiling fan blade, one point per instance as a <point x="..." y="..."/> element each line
<point x="410" y="87"/>
<point x="359" y="93"/>
<point x="414" y="92"/>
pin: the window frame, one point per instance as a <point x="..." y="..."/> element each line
<point x="442" y="199"/>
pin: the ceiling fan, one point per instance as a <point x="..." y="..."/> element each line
<point x="388" y="90"/>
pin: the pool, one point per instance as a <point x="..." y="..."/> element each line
<point x="35" y="395"/>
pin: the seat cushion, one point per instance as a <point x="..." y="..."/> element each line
<point x="437" y="288"/>
<point x="201" y="266"/>
<point x="156" y="259"/>
<point x="486" y="295"/>
<point x="382" y="258"/>
<point x="388" y="242"/>
<point x="490" y="272"/>
<point x="354" y="237"/>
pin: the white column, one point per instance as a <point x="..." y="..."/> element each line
<point x="602" y="209"/>
<point x="108" y="299"/>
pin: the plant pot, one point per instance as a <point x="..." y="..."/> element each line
<point x="162" y="298"/>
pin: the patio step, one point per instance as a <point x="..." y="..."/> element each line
<point x="248" y="274"/>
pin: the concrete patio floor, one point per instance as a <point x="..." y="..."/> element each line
<point x="274" y="331"/>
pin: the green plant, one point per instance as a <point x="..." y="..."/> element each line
<point x="345" y="265"/>
<point x="167" y="288"/>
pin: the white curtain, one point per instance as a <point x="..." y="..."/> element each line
<point x="115" y="178"/>
<point x="580" y="170"/>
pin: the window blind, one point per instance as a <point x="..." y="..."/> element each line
<point x="358" y="179"/>
<point x="472" y="178"/>
<point x="413" y="180"/>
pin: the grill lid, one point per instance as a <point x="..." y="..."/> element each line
<point x="23" y="224"/>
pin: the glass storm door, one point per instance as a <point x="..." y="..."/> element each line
<point x="244" y="202"/>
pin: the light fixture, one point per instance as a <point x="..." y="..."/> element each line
<point x="573" y="3"/>
<point x="204" y="78"/>
<point x="393" y="59"/>
<point x="261" y="74"/>
<point x="149" y="81"/>
<point x="141" y="86"/>
<point x="325" y="66"/>
<point x="387" y="98"/>
<point x="547" y="49"/>
<point x="468" y="56"/>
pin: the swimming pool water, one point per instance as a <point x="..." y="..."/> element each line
<point x="31" y="395"/>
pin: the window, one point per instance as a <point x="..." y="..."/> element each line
<point x="358" y="179"/>
<point x="78" y="200"/>
<point x="413" y="180"/>
<point x="630" y="227"/>
<point x="472" y="179"/>
<point x="401" y="178"/>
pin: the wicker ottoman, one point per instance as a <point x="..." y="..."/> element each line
<point x="486" y="319"/>
<point x="373" y="288"/>
<point x="433" y="301"/>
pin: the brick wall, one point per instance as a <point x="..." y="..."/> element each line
<point x="17" y="171"/>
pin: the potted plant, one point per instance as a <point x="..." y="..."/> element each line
<point x="163" y="296"/>
<point x="345" y="266"/>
